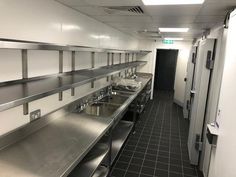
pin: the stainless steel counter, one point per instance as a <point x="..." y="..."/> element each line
<point x="55" y="149"/>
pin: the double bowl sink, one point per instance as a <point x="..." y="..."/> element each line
<point x="106" y="106"/>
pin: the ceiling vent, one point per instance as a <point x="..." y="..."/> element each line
<point x="129" y="9"/>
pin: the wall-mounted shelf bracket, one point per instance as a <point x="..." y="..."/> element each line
<point x="24" y="56"/>
<point x="73" y="69"/>
<point x="92" y="66"/>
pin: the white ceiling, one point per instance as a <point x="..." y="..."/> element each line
<point x="196" y="17"/>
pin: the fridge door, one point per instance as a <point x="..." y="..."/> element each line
<point x="199" y="98"/>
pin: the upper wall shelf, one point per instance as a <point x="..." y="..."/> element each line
<point x="15" y="93"/>
<point x="23" y="91"/>
<point x="17" y="44"/>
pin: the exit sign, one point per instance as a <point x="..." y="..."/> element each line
<point x="168" y="42"/>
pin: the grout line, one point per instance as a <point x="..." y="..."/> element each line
<point x="157" y="110"/>
<point x="181" y="153"/>
<point x="162" y="121"/>
<point x="169" y="143"/>
<point x="146" y="120"/>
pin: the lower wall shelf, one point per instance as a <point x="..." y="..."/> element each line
<point x="119" y="136"/>
<point x="90" y="164"/>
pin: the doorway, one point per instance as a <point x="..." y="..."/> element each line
<point x="166" y="61"/>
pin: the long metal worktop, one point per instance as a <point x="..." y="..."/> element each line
<point x="55" y="149"/>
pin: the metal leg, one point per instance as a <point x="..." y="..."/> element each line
<point x="135" y="114"/>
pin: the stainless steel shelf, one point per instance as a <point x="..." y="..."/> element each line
<point x="91" y="162"/>
<point x="119" y="136"/>
<point x="101" y="172"/>
<point x="19" y="92"/>
<point x="31" y="45"/>
<point x="56" y="149"/>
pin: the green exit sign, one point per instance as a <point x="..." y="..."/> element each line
<point x="168" y="42"/>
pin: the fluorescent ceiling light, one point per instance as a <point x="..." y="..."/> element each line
<point x="173" y="39"/>
<point x="172" y="2"/>
<point x="174" y="30"/>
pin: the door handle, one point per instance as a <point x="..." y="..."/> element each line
<point x="192" y="93"/>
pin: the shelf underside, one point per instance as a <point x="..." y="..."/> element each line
<point x="21" y="92"/>
<point x="119" y="136"/>
<point x="91" y="162"/>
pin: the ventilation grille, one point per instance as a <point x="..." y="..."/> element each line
<point x="129" y="9"/>
<point x="136" y="9"/>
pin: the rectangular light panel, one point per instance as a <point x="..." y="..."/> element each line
<point x="174" y="30"/>
<point x="173" y="39"/>
<point x="172" y="2"/>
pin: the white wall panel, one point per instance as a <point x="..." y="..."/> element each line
<point x="50" y="21"/>
<point x="42" y="62"/>
<point x="10" y="65"/>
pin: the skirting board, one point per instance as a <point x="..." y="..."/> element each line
<point x="179" y="103"/>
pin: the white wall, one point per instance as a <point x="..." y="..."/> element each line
<point x="184" y="48"/>
<point x="49" y="21"/>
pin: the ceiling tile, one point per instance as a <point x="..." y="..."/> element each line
<point x="172" y="10"/>
<point x="212" y="18"/>
<point x="173" y="19"/>
<point x="91" y="10"/>
<point x="217" y="8"/>
<point x="125" y="19"/>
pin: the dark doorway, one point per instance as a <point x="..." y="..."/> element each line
<point x="165" y="69"/>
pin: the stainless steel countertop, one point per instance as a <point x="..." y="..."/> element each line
<point x="57" y="148"/>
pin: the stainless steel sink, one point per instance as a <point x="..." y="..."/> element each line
<point x="114" y="99"/>
<point x="101" y="109"/>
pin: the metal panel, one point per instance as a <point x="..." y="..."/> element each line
<point x="18" y="44"/>
<point x="119" y="135"/>
<point x="26" y="91"/>
<point x="54" y="150"/>
<point x="91" y="162"/>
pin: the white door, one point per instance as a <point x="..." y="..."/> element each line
<point x="213" y="97"/>
<point x="223" y="158"/>
<point x="199" y="98"/>
<point x="189" y="81"/>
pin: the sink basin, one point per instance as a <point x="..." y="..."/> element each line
<point x="114" y="99"/>
<point x="101" y="109"/>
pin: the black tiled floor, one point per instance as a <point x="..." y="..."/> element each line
<point x="159" y="146"/>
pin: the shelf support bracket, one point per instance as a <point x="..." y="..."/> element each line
<point x="60" y="71"/>
<point x="119" y="63"/>
<point x="73" y="69"/>
<point x="108" y="63"/>
<point x="24" y="55"/>
<point x="132" y="61"/>
<point x="112" y="63"/>
<point x="92" y="66"/>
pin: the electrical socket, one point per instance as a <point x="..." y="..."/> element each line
<point x="35" y="115"/>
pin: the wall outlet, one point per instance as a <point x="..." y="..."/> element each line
<point x="35" y="115"/>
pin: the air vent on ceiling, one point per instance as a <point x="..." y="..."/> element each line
<point x="131" y="9"/>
